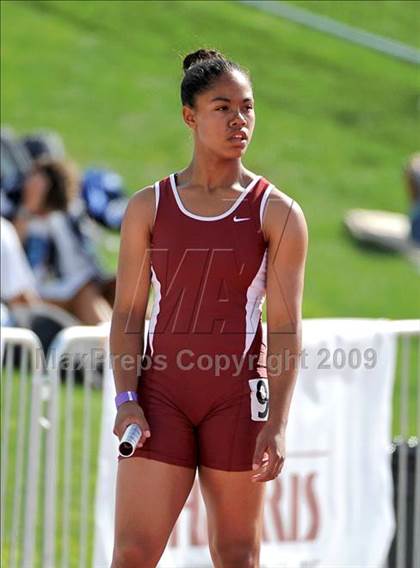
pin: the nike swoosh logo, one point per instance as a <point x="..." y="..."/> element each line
<point x="237" y="219"/>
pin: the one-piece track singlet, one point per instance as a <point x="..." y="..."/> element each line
<point x="203" y="382"/>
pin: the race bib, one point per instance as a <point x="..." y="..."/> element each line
<point x="259" y="398"/>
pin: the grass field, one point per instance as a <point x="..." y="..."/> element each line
<point x="392" y="19"/>
<point x="335" y="121"/>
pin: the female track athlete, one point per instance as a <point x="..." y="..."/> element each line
<point x="214" y="240"/>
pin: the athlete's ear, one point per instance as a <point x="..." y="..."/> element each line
<point x="188" y="115"/>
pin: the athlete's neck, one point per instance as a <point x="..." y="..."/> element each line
<point x="210" y="172"/>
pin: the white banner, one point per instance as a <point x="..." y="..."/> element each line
<point x="331" y="506"/>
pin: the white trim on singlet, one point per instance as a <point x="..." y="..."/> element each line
<point x="254" y="301"/>
<point x="155" y="309"/>
<point x="157" y="196"/>
<point x="215" y="217"/>
<point x="264" y="201"/>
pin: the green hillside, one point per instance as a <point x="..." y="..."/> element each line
<point x="335" y="121"/>
<point x="397" y="20"/>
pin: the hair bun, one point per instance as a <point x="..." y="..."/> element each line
<point x="199" y="56"/>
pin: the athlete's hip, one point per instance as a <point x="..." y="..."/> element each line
<point x="198" y="394"/>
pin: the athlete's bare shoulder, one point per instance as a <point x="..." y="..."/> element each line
<point x="281" y="210"/>
<point x="140" y="210"/>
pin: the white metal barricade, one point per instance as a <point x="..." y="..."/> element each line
<point x="85" y="344"/>
<point x="20" y="444"/>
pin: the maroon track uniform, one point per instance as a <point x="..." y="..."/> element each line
<point x="203" y="385"/>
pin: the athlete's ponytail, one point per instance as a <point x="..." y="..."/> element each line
<point x="201" y="69"/>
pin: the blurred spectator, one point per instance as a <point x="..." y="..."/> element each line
<point x="412" y="173"/>
<point x="18" y="285"/>
<point x="102" y="195"/>
<point x="102" y="191"/>
<point x="61" y="256"/>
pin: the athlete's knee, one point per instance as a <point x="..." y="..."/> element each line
<point x="233" y="554"/>
<point x="133" y="555"/>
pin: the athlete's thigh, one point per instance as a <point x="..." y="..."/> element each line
<point x="234" y="505"/>
<point x="150" y="494"/>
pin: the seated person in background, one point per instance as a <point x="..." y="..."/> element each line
<point x="102" y="196"/>
<point x="412" y="174"/>
<point x="65" y="267"/>
<point x="101" y="190"/>
<point x="17" y="280"/>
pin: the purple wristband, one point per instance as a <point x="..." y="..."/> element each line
<point x="125" y="396"/>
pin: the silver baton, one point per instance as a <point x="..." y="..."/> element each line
<point x="129" y="441"/>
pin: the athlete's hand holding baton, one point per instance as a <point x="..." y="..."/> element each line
<point x="130" y="413"/>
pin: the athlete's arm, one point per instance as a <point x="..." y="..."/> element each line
<point x="285" y="229"/>
<point x="132" y="293"/>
